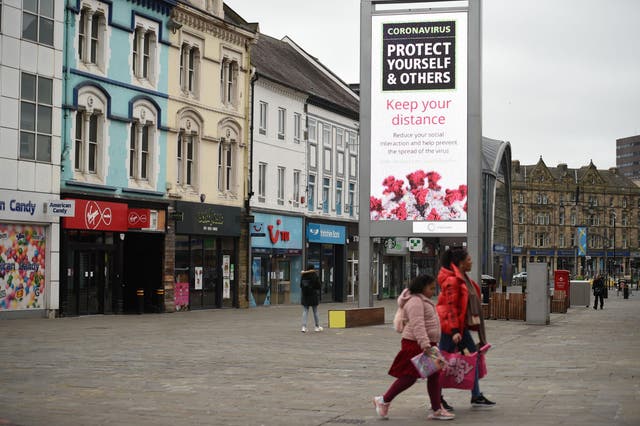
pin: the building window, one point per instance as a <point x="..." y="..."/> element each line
<point x="353" y="166"/>
<point x="296" y="187"/>
<point x="593" y="201"/>
<point x="561" y="240"/>
<point x="339" y="137"/>
<point x="539" y="239"/>
<point x="312" y="131"/>
<point x="573" y="218"/>
<point x="326" y="162"/>
<point x="297" y="120"/>
<point x="561" y="199"/>
<point x="624" y="219"/>
<point x="351" y="141"/>
<point x="86" y="142"/>
<point x="624" y="203"/>
<point x="521" y="198"/>
<point x="352" y="198"/>
<point x="225" y="166"/>
<point x="91" y="27"/>
<point x="228" y="81"/>
<point x="313" y="156"/>
<point x="311" y="190"/>
<point x="144" y="54"/>
<point x="282" y="114"/>
<point x="140" y="143"/>
<point x="612" y="219"/>
<point x="189" y="69"/>
<point x="37" y="21"/>
<point x="573" y="240"/>
<point x="326" y="187"/>
<point x="326" y="134"/>
<point x="36" y="117"/>
<point x="521" y="239"/>
<point x="186" y="159"/>
<point x="339" y="197"/>
<point x="340" y="163"/>
<point x="520" y="216"/>
<point x="561" y="217"/>
<point x="262" y="181"/>
<point x="262" y="125"/>
<point x="281" y="176"/>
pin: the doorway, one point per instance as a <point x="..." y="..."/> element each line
<point x="92" y="282"/>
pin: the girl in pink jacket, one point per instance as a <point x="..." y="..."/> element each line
<point x="420" y="333"/>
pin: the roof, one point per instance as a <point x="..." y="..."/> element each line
<point x="280" y="62"/>
<point x="493" y="152"/>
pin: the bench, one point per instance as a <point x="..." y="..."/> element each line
<point x="355" y="317"/>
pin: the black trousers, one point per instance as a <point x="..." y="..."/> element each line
<point x="595" y="303"/>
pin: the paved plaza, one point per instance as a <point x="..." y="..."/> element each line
<point x="255" y="367"/>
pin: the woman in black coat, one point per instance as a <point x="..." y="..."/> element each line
<point x="310" y="286"/>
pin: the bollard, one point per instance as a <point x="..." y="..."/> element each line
<point x="140" y="296"/>
<point x="160" y="297"/>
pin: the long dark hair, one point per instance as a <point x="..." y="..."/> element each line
<point x="419" y="283"/>
<point x="453" y="255"/>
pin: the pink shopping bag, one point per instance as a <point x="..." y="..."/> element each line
<point x="459" y="371"/>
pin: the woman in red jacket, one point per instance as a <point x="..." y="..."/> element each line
<point x="460" y="311"/>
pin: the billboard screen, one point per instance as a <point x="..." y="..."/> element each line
<point x="419" y="120"/>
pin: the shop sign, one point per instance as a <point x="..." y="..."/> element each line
<point x="499" y="248"/>
<point x="61" y="208"/>
<point x="98" y="216"/>
<point x="396" y="246"/>
<point x="208" y="219"/>
<point x="276" y="232"/>
<point x="23" y="206"/>
<point x="415" y="244"/>
<point x="142" y="219"/>
<point x="326" y="234"/>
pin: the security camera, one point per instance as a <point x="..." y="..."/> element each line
<point x="202" y="198"/>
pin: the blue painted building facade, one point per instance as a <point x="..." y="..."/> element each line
<point x="113" y="155"/>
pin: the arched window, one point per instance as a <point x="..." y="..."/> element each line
<point x="187" y="150"/>
<point x="92" y="26"/>
<point x="228" y="157"/>
<point x="90" y="129"/>
<point x="143" y="151"/>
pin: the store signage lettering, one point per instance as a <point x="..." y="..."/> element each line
<point x="63" y="208"/>
<point x="19" y="207"/>
<point x="278" y="235"/>
<point x="210" y="220"/>
<point x="139" y="218"/>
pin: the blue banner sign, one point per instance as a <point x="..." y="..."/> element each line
<point x="582" y="241"/>
<point x="327" y="234"/>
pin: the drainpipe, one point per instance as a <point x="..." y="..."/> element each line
<point x="254" y="78"/>
<point x="64" y="152"/>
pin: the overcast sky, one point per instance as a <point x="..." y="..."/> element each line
<point x="561" y="78"/>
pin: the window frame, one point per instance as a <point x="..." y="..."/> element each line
<point x="296" y="187"/>
<point x="297" y="127"/>
<point x="311" y="192"/>
<point x="282" y="122"/>
<point x="262" y="181"/>
<point x="37" y="106"/>
<point x="282" y="173"/>
<point x="262" y="122"/>
<point x="39" y="18"/>
<point x="352" y="199"/>
<point x="145" y="40"/>
<point x="338" y="196"/>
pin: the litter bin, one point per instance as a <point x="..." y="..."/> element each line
<point x="140" y="297"/>
<point x="160" y="300"/>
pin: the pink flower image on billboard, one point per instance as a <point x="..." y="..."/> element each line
<point x="420" y="197"/>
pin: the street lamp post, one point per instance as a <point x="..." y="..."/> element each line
<point x="614" y="248"/>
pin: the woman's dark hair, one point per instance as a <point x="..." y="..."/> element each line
<point x="453" y="255"/>
<point x="419" y="283"/>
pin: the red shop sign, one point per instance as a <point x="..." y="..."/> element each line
<point x="139" y="218"/>
<point x="98" y="216"/>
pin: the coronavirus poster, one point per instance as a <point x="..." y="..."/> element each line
<point x="419" y="119"/>
<point x="22" y="267"/>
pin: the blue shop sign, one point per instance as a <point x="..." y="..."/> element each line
<point x="541" y="252"/>
<point x="499" y="248"/>
<point x="327" y="234"/>
<point x="566" y="253"/>
<point x="516" y="250"/>
<point x="276" y="231"/>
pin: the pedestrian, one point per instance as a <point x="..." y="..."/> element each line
<point x="460" y="311"/>
<point x="420" y="333"/>
<point x="598" y="292"/>
<point x="309" y="288"/>
<point x="625" y="290"/>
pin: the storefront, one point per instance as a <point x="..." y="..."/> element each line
<point x="112" y="255"/>
<point x="28" y="246"/>
<point x="206" y="255"/>
<point x="327" y="253"/>
<point x="276" y="259"/>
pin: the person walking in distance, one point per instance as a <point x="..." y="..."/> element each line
<point x="310" y="286"/>
<point x="420" y="333"/>
<point x="460" y="311"/>
<point x="598" y="292"/>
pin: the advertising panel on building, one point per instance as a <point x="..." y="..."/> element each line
<point x="419" y="121"/>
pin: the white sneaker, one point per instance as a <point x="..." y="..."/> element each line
<point x="304" y="329"/>
<point x="318" y="328"/>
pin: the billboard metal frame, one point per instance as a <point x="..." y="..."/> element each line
<point x="368" y="228"/>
